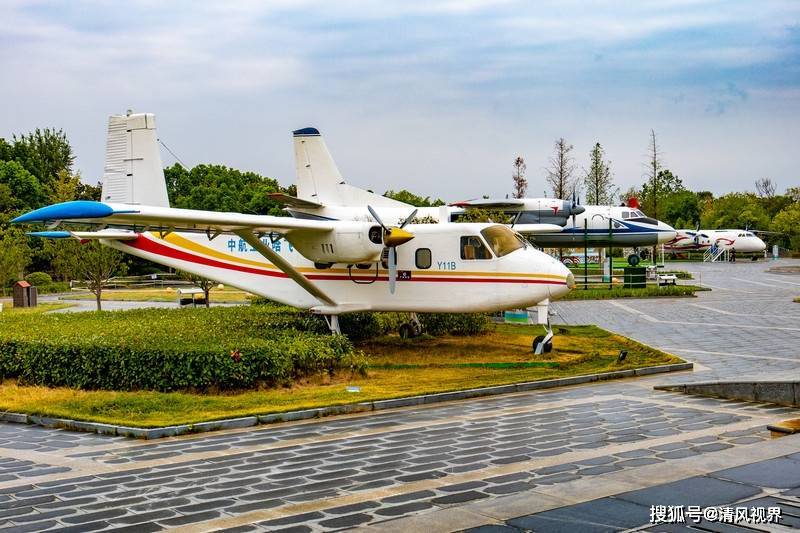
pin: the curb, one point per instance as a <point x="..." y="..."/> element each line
<point x="778" y="392"/>
<point x="292" y="416"/>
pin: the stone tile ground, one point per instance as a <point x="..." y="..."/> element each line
<point x="389" y="470"/>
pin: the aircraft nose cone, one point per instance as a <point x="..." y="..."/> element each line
<point x="665" y="233"/>
<point x="577" y="210"/>
<point x="566" y="280"/>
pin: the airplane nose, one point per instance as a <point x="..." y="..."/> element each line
<point x="665" y="233"/>
<point x="562" y="288"/>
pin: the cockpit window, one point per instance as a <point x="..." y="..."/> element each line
<point x="626" y="214"/>
<point x="748" y="234"/>
<point x="639" y="213"/>
<point x="472" y="247"/>
<point x="502" y="240"/>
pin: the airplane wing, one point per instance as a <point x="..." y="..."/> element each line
<point x="486" y="203"/>
<point x="143" y="217"/>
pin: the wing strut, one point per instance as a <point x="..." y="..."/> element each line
<point x="275" y="258"/>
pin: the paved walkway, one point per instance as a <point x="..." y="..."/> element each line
<point x="521" y="461"/>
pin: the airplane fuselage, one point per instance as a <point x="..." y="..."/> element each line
<point x="740" y="241"/>
<point x="433" y="274"/>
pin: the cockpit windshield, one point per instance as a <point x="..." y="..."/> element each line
<point x="502" y="240"/>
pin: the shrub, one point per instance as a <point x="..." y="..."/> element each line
<point x="454" y="323"/>
<point x="165" y="350"/>
<point x="39" y="278"/>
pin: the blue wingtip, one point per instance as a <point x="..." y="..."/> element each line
<point x="50" y="234"/>
<point x="306" y="132"/>
<point x="78" y="209"/>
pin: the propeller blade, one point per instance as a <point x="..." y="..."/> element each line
<point x="392" y="269"/>
<point x="378" y="219"/>
<point x="409" y="218"/>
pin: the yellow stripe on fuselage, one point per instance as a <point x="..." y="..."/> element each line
<point x="179" y="241"/>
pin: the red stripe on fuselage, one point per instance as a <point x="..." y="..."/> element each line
<point x="149" y="245"/>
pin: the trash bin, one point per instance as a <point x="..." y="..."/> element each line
<point x="634" y="278"/>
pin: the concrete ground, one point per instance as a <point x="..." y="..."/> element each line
<point x="584" y="458"/>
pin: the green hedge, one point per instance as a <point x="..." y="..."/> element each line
<point x="176" y="349"/>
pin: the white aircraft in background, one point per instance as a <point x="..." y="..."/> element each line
<point x="323" y="194"/>
<point x="736" y="240"/>
<point x="327" y="266"/>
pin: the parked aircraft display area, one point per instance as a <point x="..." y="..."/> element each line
<point x="413" y="267"/>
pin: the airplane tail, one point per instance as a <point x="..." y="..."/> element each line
<point x="319" y="180"/>
<point x="133" y="170"/>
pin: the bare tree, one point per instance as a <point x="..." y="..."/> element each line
<point x="765" y="187"/>
<point x="520" y="183"/>
<point x="598" y="180"/>
<point x="654" y="166"/>
<point x="559" y="173"/>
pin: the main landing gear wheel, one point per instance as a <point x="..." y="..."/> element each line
<point x="634" y="259"/>
<point x="406" y="331"/>
<point x="412" y="328"/>
<point x="547" y="347"/>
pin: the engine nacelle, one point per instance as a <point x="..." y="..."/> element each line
<point x="350" y="244"/>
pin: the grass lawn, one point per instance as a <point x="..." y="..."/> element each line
<point x="398" y="368"/>
<point x="39" y="309"/>
<point x="651" y="291"/>
<point x="160" y="295"/>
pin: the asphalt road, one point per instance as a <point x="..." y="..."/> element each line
<point x="583" y="458"/>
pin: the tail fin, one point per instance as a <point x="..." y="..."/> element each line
<point x="133" y="172"/>
<point x="319" y="181"/>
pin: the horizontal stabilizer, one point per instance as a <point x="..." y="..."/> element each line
<point x="293" y="201"/>
<point x="527" y="229"/>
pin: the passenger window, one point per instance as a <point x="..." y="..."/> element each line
<point x="472" y="247"/>
<point x="423" y="258"/>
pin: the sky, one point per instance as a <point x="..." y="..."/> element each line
<point x="434" y="97"/>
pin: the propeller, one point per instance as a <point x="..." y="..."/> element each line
<point x="697" y="234"/>
<point x="393" y="236"/>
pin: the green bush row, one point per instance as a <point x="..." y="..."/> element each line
<point x="165" y="350"/>
<point x="363" y="326"/>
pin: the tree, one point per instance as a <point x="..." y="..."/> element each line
<point x="598" y="180"/>
<point x="654" y="166"/>
<point x="219" y="188"/>
<point x="44" y="153"/>
<point x="90" y="261"/>
<point x="520" y="183"/>
<point x="667" y="183"/>
<point x="200" y="282"/>
<point x="21" y="190"/>
<point x="412" y="199"/>
<point x="793" y="193"/>
<point x="15" y="255"/>
<point x="765" y="187"/>
<point x="682" y="209"/>
<point x="559" y="173"/>
<point x="787" y="222"/>
<point x="735" y="210"/>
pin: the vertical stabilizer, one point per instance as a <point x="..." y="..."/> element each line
<point x="133" y="171"/>
<point x="319" y="180"/>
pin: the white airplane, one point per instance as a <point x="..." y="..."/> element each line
<point x="327" y="266"/>
<point x="736" y="240"/>
<point x="323" y="194"/>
